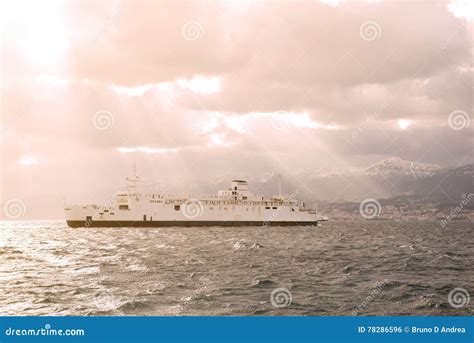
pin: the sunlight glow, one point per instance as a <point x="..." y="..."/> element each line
<point x="302" y="120"/>
<point x="147" y="150"/>
<point x="39" y="29"/>
<point x="332" y="3"/>
<point x="335" y="3"/>
<point x="28" y="161"/>
<point x="236" y="123"/>
<point x="140" y="90"/>
<point x="201" y="85"/>
<point x="52" y="80"/>
<point x="198" y="85"/>
<point x="217" y="139"/>
<point x="404" y="123"/>
<point x="462" y="8"/>
<point x="243" y="123"/>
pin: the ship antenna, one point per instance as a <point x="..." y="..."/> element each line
<point x="279" y="185"/>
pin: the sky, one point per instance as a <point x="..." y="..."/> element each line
<point x="202" y="90"/>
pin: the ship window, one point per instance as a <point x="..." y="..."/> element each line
<point x="275" y="208"/>
<point x="106" y="210"/>
<point x="176" y="207"/>
<point x="123" y="207"/>
<point x="144" y="217"/>
<point x="245" y="198"/>
<point x="235" y="188"/>
<point x="112" y="213"/>
<point x="267" y="208"/>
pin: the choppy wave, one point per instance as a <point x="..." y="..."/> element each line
<point x="339" y="268"/>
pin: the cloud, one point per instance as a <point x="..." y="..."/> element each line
<point x="192" y="89"/>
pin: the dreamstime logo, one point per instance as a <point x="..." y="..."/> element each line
<point x="459" y="297"/>
<point x="370" y="30"/>
<point x="372" y="118"/>
<point x="104" y="300"/>
<point x="281" y="297"/>
<point x="22" y="110"/>
<point x="458" y="209"/>
<point x="458" y="120"/>
<point x="103" y="120"/>
<point x="280" y="120"/>
<point x="14" y="208"/>
<point x="49" y="258"/>
<point x="108" y="19"/>
<point x="278" y="211"/>
<point x="453" y="36"/>
<point x="379" y="286"/>
<point x="192" y="30"/>
<point x="370" y="208"/>
<point x="192" y="208"/>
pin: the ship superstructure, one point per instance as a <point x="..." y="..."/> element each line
<point x="236" y="206"/>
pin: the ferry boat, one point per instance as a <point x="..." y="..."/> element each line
<point x="236" y="206"/>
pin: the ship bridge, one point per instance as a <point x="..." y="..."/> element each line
<point x="239" y="190"/>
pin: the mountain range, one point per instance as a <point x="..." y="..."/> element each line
<point x="393" y="177"/>
<point x="386" y="179"/>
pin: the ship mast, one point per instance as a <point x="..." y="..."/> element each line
<point x="279" y="185"/>
<point x="132" y="182"/>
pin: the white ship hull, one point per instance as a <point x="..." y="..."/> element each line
<point x="234" y="207"/>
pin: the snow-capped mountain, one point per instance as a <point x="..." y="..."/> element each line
<point x="448" y="184"/>
<point x="389" y="178"/>
<point x="395" y="166"/>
